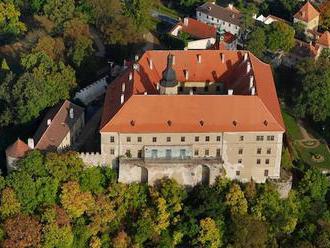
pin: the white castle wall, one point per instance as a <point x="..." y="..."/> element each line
<point x="92" y="92"/>
<point x="96" y="159"/>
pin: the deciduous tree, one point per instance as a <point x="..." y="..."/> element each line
<point x="236" y="201"/>
<point x="9" y="203"/>
<point x="209" y="234"/>
<point x="9" y="19"/>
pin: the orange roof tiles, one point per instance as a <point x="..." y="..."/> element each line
<point x="151" y="112"/>
<point x="307" y="13"/>
<point x="198" y="29"/>
<point x="324" y="40"/>
<point x="17" y="149"/>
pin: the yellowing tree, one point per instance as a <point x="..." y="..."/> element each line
<point x="236" y="201"/>
<point x="74" y="201"/>
<point x="209" y="234"/>
<point x="9" y="203"/>
<point x="9" y="19"/>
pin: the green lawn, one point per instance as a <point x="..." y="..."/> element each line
<point x="306" y="155"/>
<point x="293" y="130"/>
<point x="170" y="12"/>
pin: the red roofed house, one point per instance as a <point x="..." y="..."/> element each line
<point x="309" y="16"/>
<point x="14" y="152"/>
<point x="201" y="35"/>
<point x="324" y="40"/>
<point x="193" y="116"/>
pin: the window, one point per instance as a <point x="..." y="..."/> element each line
<point x="194" y="89"/>
<point x="112" y="139"/>
<point x="269" y="151"/>
<point x="258" y="161"/>
<point x="229" y="25"/>
<point x="168" y="139"/>
<point x="207" y="17"/>
<point x="207" y="152"/>
<point x="139" y="154"/>
<point x="199" y="13"/>
<point x="218" y="152"/>
<point x="183" y="139"/>
<point x="217" y="88"/>
<point x="267" y="161"/>
<point x="112" y="151"/>
<point x="128" y="153"/>
<point x="260" y="138"/>
<point x="212" y="19"/>
<point x="218" y="138"/>
<point x="139" y="139"/>
<point x="180" y="89"/>
<point x="128" y="139"/>
<point x="206" y="88"/>
<point x="154" y="153"/>
<point x="207" y="138"/>
<point x="223" y="23"/>
<point x="182" y="153"/>
<point x="239" y="161"/>
<point x="196" y="138"/>
<point x="241" y="138"/>
<point x="240" y="151"/>
<point x="154" y="139"/>
<point x="238" y="173"/>
<point x="259" y="151"/>
<point x="270" y="138"/>
<point x="196" y="152"/>
<point x="266" y="173"/>
<point x="168" y="153"/>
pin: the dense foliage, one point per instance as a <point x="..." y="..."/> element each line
<point x="52" y="201"/>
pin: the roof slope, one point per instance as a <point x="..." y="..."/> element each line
<point x="225" y="14"/>
<point x="51" y="136"/>
<point x="17" y="149"/>
<point x="307" y="13"/>
<point x="324" y="40"/>
<point x="151" y="112"/>
<point x="198" y="29"/>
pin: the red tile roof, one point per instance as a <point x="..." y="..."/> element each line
<point x="17" y="149"/>
<point x="197" y="29"/>
<point x="50" y="137"/>
<point x="307" y="13"/>
<point x="151" y="113"/>
<point x="324" y="40"/>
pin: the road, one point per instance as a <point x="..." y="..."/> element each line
<point x="164" y="18"/>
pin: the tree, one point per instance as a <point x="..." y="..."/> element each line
<point x="236" y="201"/>
<point x="59" y="11"/>
<point x="247" y="12"/>
<point x="74" y="201"/>
<point x="314" y="96"/>
<point x="56" y="236"/>
<point x="247" y="232"/>
<point x="53" y="47"/>
<point x="9" y="19"/>
<point x="22" y="231"/>
<point x="325" y="16"/>
<point x="92" y="179"/>
<point x="209" y="235"/>
<point x="122" y="240"/>
<point x="256" y="42"/>
<point x="280" y="36"/>
<point x="9" y="203"/>
<point x="286" y="161"/>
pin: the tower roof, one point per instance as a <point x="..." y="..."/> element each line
<point x="17" y="149"/>
<point x="307" y="13"/>
<point x="169" y="75"/>
<point x="324" y="40"/>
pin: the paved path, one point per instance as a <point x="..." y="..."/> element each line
<point x="98" y="42"/>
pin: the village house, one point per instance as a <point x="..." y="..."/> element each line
<point x="227" y="18"/>
<point x="203" y="36"/>
<point x="308" y="16"/>
<point x="193" y="116"/>
<point x="59" y="130"/>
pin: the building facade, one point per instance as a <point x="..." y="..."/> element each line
<point x="193" y="116"/>
<point x="308" y="16"/>
<point x="215" y="15"/>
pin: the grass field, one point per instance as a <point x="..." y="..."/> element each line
<point x="306" y="155"/>
<point x="293" y="130"/>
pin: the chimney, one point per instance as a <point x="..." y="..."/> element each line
<point x="245" y="56"/>
<point x="230" y="92"/>
<point x="145" y="93"/>
<point x="191" y="92"/>
<point x="253" y="91"/>
<point x="122" y="98"/>
<point x="251" y="81"/>
<point x="186" y="21"/>
<point x="186" y="74"/>
<point x="71" y="113"/>
<point x="230" y="6"/>
<point x="199" y="58"/>
<point x="248" y="67"/>
<point x="136" y="58"/>
<point x="123" y="87"/>
<point x="31" y="143"/>
<point x="150" y="64"/>
<point x="222" y="58"/>
<point x="130" y="76"/>
<point x="173" y="59"/>
<point x="49" y="121"/>
<point x="157" y="86"/>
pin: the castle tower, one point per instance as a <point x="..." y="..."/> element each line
<point x="169" y="83"/>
